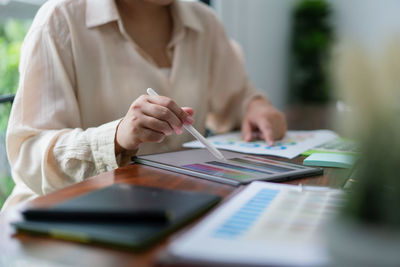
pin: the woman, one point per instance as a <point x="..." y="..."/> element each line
<point x="81" y="107"/>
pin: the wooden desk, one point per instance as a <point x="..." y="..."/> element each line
<point x="27" y="250"/>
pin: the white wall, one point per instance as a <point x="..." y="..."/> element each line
<point x="262" y="29"/>
<point x="369" y="22"/>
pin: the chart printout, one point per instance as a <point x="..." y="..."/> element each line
<point x="293" y="144"/>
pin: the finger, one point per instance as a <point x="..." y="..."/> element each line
<point x="148" y="135"/>
<point x="267" y="132"/>
<point x="156" y="125"/>
<point x="189" y="111"/>
<point x="162" y="113"/>
<point x="171" y="105"/>
<point x="246" y="131"/>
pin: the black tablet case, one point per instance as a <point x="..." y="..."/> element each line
<point x="182" y="206"/>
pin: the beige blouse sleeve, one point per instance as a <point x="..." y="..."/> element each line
<point x="47" y="148"/>
<point x="230" y="88"/>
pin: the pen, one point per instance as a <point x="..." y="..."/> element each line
<point x="216" y="153"/>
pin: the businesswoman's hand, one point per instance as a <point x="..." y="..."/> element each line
<point x="150" y="119"/>
<point x="265" y="119"/>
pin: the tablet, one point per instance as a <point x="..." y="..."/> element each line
<point x="120" y="215"/>
<point x="237" y="169"/>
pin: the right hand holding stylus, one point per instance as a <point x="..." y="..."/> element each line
<point x="150" y="119"/>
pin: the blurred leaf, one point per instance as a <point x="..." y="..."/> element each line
<point x="375" y="196"/>
<point x="6" y="186"/>
<point x="15" y="30"/>
<point x="12" y="33"/>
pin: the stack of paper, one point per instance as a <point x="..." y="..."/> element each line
<point x="266" y="223"/>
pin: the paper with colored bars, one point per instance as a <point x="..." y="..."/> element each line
<point x="262" y="225"/>
<point x="293" y="144"/>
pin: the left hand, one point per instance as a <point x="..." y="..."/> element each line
<point x="261" y="116"/>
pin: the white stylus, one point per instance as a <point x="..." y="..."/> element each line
<point x="196" y="134"/>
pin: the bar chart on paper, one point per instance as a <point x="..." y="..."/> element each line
<point x="262" y="225"/>
<point x="293" y="144"/>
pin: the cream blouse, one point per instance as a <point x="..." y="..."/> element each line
<point x="80" y="72"/>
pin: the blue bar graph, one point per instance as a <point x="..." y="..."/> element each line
<point x="246" y="215"/>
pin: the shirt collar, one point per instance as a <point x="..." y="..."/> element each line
<point x="100" y="12"/>
<point x="183" y="14"/>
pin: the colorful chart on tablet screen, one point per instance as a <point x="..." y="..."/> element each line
<point x="243" y="168"/>
<point x="293" y="144"/>
<point x="230" y="174"/>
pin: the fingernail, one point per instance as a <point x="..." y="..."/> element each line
<point x="189" y="120"/>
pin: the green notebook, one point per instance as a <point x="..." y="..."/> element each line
<point x="335" y="146"/>
<point x="330" y="160"/>
<point x="139" y="216"/>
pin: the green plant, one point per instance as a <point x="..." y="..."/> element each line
<point x="12" y="33"/>
<point x="6" y="186"/>
<point x="369" y="81"/>
<point x="310" y="45"/>
<point x="376" y="194"/>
